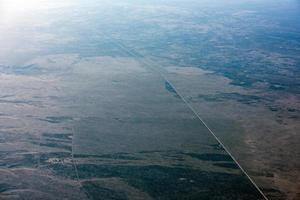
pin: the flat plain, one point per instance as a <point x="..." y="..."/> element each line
<point x="107" y="99"/>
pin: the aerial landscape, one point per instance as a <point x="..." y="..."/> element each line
<point x="162" y="99"/>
